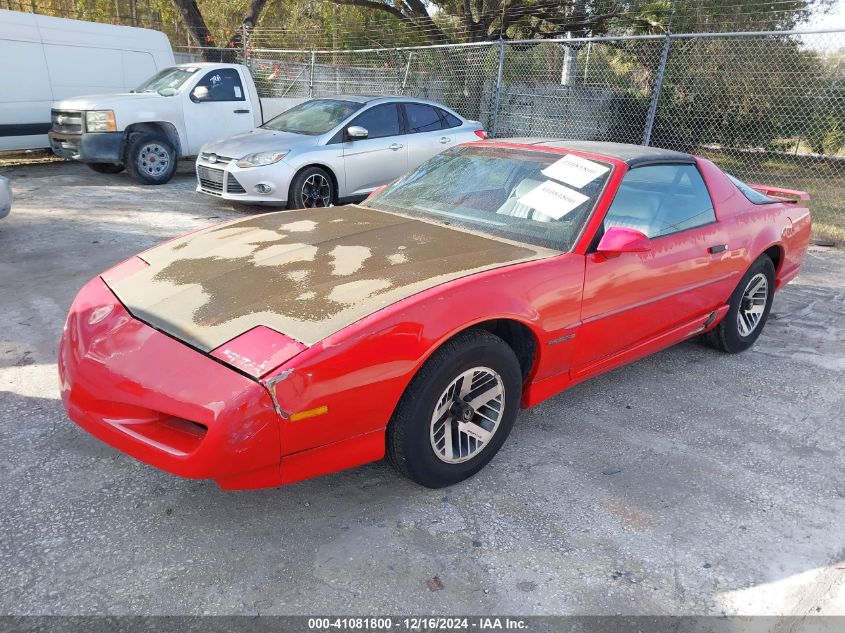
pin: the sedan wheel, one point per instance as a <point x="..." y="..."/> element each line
<point x="457" y="411"/>
<point x="310" y="188"/>
<point x="316" y="191"/>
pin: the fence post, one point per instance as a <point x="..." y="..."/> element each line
<point x="407" y="68"/>
<point x="244" y="47"/>
<point x="497" y="90"/>
<point x="311" y="78"/>
<point x="655" y="92"/>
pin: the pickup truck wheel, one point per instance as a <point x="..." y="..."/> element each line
<point x="150" y="158"/>
<point x="312" y="187"/>
<point x="106" y="168"/>
<point x="457" y="411"/>
<point x="749" y="309"/>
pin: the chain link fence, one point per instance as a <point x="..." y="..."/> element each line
<point x="768" y="107"/>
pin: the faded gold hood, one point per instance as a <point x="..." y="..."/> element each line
<point x="305" y="273"/>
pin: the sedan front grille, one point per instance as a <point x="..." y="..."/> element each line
<point x="218" y="158"/>
<point x="233" y="186"/>
<point x="66" y="121"/>
<point x="211" y="181"/>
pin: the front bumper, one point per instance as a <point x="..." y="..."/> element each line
<point x="162" y="402"/>
<point x="88" y="147"/>
<point x="228" y="181"/>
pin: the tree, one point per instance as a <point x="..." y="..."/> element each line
<point x="196" y="24"/>
<point x="444" y="21"/>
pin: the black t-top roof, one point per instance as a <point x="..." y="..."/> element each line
<point x="633" y="155"/>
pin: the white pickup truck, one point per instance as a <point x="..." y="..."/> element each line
<point x="168" y="117"/>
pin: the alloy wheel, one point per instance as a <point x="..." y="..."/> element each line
<point x="316" y="191"/>
<point x="752" y="304"/>
<point x="467" y="415"/>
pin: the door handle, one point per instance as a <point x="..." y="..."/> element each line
<point x="718" y="248"/>
<point x="445" y="139"/>
<point x="396" y="146"/>
<point x="241" y="111"/>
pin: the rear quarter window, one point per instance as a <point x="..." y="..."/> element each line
<point x="752" y="194"/>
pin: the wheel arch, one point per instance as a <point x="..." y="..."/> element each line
<point x="159" y="127"/>
<point x="322" y="166"/>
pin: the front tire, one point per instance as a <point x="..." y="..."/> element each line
<point x="312" y="187"/>
<point x="150" y="158"/>
<point x="106" y="168"/>
<point x="750" y="305"/>
<point x="457" y="412"/>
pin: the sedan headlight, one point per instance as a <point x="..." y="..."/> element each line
<point x="100" y="121"/>
<point x="260" y="159"/>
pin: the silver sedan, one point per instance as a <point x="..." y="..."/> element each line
<point x="326" y="151"/>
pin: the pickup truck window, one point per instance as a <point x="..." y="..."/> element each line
<point x="169" y="80"/>
<point x="224" y="84"/>
<point x="314" y="117"/>
<point x="660" y="200"/>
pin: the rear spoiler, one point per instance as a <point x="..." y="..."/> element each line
<point x="787" y="195"/>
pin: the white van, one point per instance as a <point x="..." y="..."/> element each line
<point x="46" y="59"/>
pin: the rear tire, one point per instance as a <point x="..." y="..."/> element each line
<point x="747" y="314"/>
<point x="436" y="437"/>
<point x="311" y="187"/>
<point x="150" y="158"/>
<point x="106" y="168"/>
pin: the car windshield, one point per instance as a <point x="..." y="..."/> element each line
<point x="167" y="82"/>
<point x="313" y="117"/>
<point x="503" y="192"/>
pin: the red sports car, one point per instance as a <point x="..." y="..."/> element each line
<point x="287" y="345"/>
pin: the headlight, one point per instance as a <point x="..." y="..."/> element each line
<point x="262" y="158"/>
<point x="100" y="121"/>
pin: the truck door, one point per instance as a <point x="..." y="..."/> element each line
<point x="216" y="108"/>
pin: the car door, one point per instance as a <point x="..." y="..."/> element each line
<point x="381" y="157"/>
<point x="223" y="112"/>
<point x="633" y="298"/>
<point x="428" y="134"/>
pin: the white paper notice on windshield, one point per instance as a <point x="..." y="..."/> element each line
<point x="553" y="199"/>
<point x="574" y="170"/>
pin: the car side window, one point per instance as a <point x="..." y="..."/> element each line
<point x="422" y="118"/>
<point x="451" y="119"/>
<point x="224" y="84"/>
<point x="660" y="200"/>
<point x="380" y="121"/>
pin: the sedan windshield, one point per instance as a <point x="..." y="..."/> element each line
<point x="503" y="192"/>
<point x="167" y="82"/>
<point x="313" y="117"/>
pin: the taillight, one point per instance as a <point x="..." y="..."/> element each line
<point x="481" y="134"/>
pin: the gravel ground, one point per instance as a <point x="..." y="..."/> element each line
<point x="726" y="492"/>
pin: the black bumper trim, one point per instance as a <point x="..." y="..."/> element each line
<point x="89" y="147"/>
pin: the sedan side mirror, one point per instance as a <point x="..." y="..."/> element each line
<point x="618" y="240"/>
<point x="200" y="93"/>
<point x="356" y="131"/>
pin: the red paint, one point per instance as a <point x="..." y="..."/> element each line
<point x="258" y="351"/>
<point x="766" y="190"/>
<point x="177" y="409"/>
<point x="618" y="240"/>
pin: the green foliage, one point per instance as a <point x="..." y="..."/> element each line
<point x="827" y="136"/>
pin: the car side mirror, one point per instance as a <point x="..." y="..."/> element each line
<point x="200" y="93"/>
<point x="356" y="131"/>
<point x="618" y="240"/>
